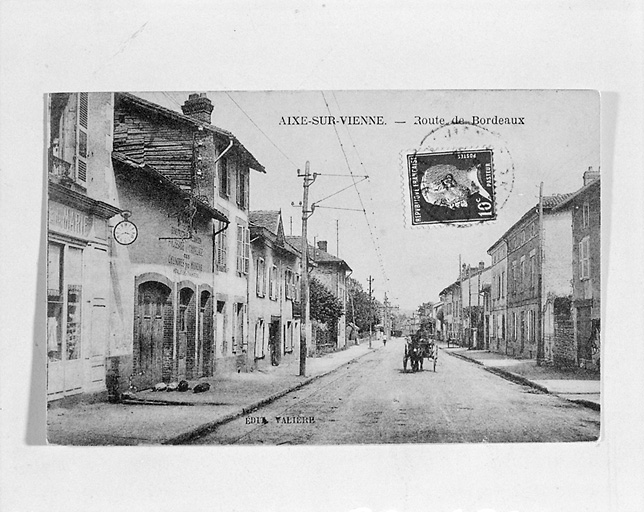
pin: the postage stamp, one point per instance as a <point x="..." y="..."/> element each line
<point x="451" y="186"/>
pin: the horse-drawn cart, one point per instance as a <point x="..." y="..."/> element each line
<point x="417" y="350"/>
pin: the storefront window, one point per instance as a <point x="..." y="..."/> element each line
<point x="74" y="279"/>
<point x="54" y="302"/>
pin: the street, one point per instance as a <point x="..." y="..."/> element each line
<point x="372" y="401"/>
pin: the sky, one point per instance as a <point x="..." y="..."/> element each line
<point x="558" y="141"/>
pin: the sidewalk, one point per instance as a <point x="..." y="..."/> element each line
<point x="576" y="385"/>
<point x="172" y="418"/>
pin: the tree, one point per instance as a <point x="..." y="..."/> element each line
<point x="325" y="307"/>
<point x="360" y="311"/>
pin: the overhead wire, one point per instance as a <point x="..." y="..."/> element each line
<point x="378" y="253"/>
<point x="364" y="210"/>
<point x="261" y="131"/>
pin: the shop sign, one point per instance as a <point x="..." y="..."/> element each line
<point x="68" y="220"/>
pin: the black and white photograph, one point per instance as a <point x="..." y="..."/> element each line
<point x="323" y="267"/>
<point x="290" y="256"/>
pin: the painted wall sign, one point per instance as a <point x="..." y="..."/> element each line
<point x="68" y="220"/>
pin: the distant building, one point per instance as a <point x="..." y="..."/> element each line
<point x="585" y="206"/>
<point x="451" y="299"/>
<point x="274" y="295"/>
<point x="538" y="283"/>
<point x="474" y="283"/>
<point x="498" y="296"/>
<point x="331" y="271"/>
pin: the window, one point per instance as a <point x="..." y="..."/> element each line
<point x="584" y="259"/>
<point x="503" y="284"/>
<point x="64" y="302"/>
<point x="298" y="288"/>
<point x="533" y="276"/>
<point x="185" y="298"/>
<point x="513" y="276"/>
<point x="261" y="277"/>
<point x="272" y="283"/>
<point x="522" y="272"/>
<point x="242" y="188"/>
<point x="55" y="302"/>
<point x="68" y="145"/>
<point x="288" y="283"/>
<point x="243" y="249"/>
<point x="222" y="248"/>
<point x="585" y="215"/>
<point x="224" y="179"/>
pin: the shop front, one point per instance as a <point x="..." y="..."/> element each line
<point x="78" y="280"/>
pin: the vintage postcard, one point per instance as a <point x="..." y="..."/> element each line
<point x="323" y="267"/>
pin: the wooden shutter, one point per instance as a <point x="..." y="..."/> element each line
<point x="240" y="249"/>
<point x="81" y="137"/>
<point x="246" y="250"/>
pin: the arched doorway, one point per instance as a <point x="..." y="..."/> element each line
<point x="152" y="308"/>
<point x="186" y="334"/>
<point x="205" y="349"/>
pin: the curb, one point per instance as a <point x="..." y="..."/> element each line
<point x="518" y="379"/>
<point x="207" y="428"/>
<point x="512" y="377"/>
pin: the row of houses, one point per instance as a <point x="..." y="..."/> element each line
<point x="157" y="268"/>
<point x="540" y="295"/>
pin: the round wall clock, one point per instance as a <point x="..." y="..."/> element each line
<point x="125" y="232"/>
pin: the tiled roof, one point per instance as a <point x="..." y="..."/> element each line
<point x="140" y="102"/>
<point x="168" y="183"/>
<point x="552" y="201"/>
<point x="568" y="201"/>
<point x="317" y="255"/>
<point x="549" y="202"/>
<point x="268" y="219"/>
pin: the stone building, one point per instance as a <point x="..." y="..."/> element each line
<point x="474" y="299"/>
<point x="538" y="282"/>
<point x="585" y="207"/>
<point x="498" y="296"/>
<point x="451" y="299"/>
<point x="81" y="204"/>
<point x="185" y="184"/>
<point x="274" y="294"/>
<point x="331" y="271"/>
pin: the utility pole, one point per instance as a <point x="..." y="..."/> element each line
<point x="540" y="347"/>
<point x="469" y="313"/>
<point x="370" y="310"/>
<point x="306" y="213"/>
<point x="337" y="238"/>
<point x="386" y="319"/>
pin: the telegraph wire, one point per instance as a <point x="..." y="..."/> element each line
<point x="378" y="253"/>
<point x="369" y="226"/>
<point x="262" y="131"/>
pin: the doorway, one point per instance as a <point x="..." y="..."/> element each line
<point x="151" y="310"/>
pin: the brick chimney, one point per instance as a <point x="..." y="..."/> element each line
<point x="322" y="245"/>
<point x="199" y="107"/>
<point x="590" y="175"/>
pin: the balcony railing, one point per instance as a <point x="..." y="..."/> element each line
<point x="297" y="309"/>
<point x="60" y="168"/>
